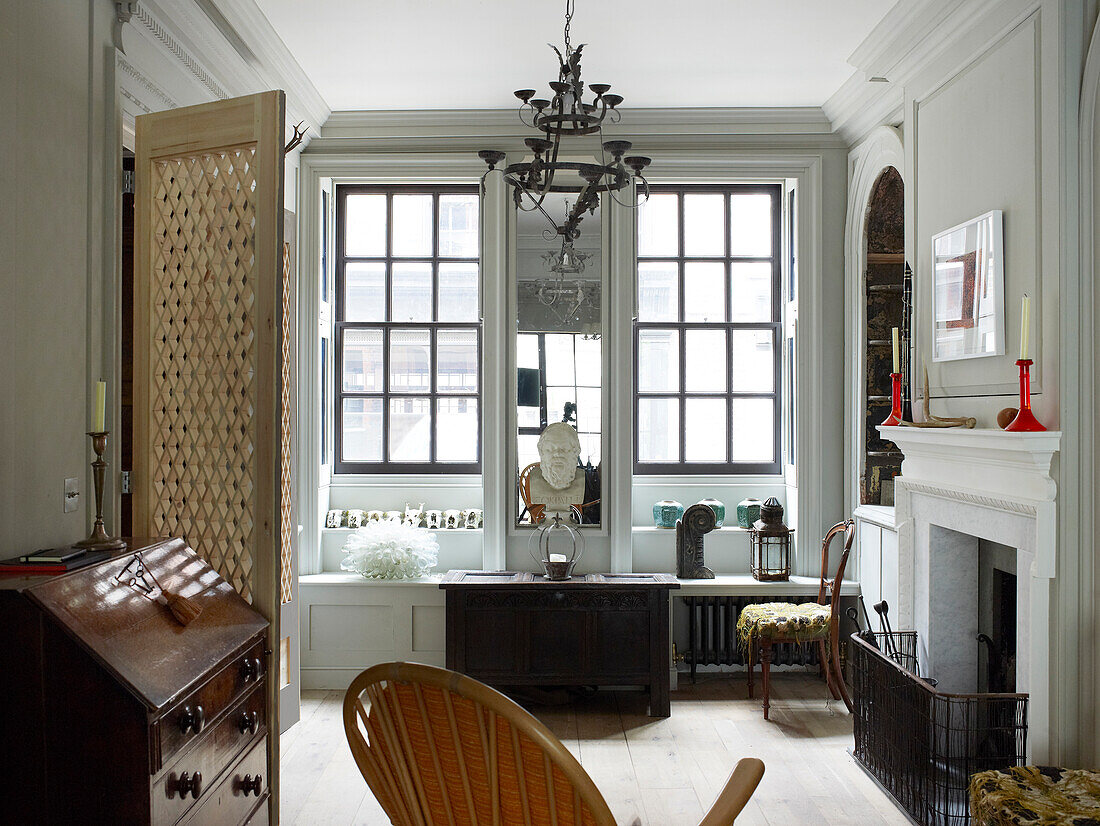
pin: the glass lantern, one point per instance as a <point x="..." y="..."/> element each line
<point x="771" y="544"/>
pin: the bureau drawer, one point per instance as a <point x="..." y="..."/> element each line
<point x="188" y="718"/>
<point x="215" y="749"/>
<point x="235" y="797"/>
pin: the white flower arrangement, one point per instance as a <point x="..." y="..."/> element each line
<point x="390" y="550"/>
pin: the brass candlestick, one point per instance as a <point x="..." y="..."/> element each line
<point x="99" y="540"/>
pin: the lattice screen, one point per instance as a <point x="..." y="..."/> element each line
<point x="203" y="397"/>
<point x="286" y="450"/>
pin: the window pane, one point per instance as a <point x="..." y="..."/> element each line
<point x="456" y="430"/>
<point x="458" y="228"/>
<point x="705" y="224"/>
<point x="705" y="430"/>
<point x="556" y="399"/>
<point x="458" y="290"/>
<point x="456" y="361"/>
<point x="658" y="430"/>
<point x="658" y="226"/>
<point x="753" y="430"/>
<point x="362" y="430"/>
<point x="751" y="224"/>
<point x="751" y="299"/>
<point x="412" y="225"/>
<point x="658" y="360"/>
<point x="658" y="296"/>
<point x="410" y="361"/>
<point x="527" y="417"/>
<point x="705" y="361"/>
<point x="527" y="450"/>
<point x="410" y="430"/>
<point x="365" y="292"/>
<point x="365" y="226"/>
<point x="363" y="360"/>
<point x="588" y="410"/>
<point x="753" y="361"/>
<point x="527" y="351"/>
<point x="704" y="291"/>
<point x="590" y="448"/>
<point x="412" y="292"/>
<point x="560" y="367"/>
<point x="589" y="361"/>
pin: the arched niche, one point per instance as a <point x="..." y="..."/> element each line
<point x="882" y="150"/>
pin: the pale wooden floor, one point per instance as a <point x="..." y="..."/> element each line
<point x="667" y="772"/>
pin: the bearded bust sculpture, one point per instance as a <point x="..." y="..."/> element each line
<point x="560" y="483"/>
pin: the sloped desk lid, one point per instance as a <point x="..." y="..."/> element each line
<point x="137" y="639"/>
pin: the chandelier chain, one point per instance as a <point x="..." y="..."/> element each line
<point x="568" y="20"/>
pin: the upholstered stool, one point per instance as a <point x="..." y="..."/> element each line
<point x="1035" y="796"/>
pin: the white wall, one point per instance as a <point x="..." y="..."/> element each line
<point x="52" y="233"/>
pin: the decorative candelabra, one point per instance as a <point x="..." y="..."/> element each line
<point x="895" y="400"/>
<point x="99" y="540"/>
<point x="1025" y="421"/>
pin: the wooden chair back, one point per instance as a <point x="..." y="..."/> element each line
<point x="437" y="747"/>
<point x="829" y="590"/>
<point x="535" y="510"/>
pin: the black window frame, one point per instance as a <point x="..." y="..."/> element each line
<point x="775" y="326"/>
<point x="433" y="396"/>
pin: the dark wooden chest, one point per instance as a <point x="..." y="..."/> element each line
<point x="117" y="713"/>
<point x="519" y="629"/>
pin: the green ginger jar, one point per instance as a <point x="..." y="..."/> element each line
<point x="666" y="513"/>
<point x="748" y="511"/>
<point x="719" y="509"/>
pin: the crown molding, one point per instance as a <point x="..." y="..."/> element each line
<point x="223" y="48"/>
<point x="650" y="129"/>
<point x="913" y="37"/>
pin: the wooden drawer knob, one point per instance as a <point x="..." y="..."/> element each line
<point x="249" y="722"/>
<point x="192" y="784"/>
<point x="192" y="719"/>
<point x="250" y="669"/>
<point x="255" y="785"/>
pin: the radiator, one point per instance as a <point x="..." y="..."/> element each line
<point x="712" y="634"/>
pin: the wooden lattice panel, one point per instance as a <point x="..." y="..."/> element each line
<point x="203" y="395"/>
<point x="286" y="450"/>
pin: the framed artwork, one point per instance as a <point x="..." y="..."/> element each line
<point x="968" y="318"/>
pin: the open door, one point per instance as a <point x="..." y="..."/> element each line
<point x="208" y="318"/>
<point x="290" y="658"/>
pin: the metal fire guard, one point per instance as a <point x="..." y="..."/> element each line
<point x="923" y="745"/>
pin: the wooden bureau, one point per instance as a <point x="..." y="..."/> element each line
<point x="117" y="713"/>
<point x="520" y="629"/>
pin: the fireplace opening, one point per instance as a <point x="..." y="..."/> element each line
<point x="996" y="638"/>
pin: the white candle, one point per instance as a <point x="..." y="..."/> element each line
<point x="897" y="362"/>
<point x="100" y="406"/>
<point x="557" y="557"/>
<point x="1025" y="325"/>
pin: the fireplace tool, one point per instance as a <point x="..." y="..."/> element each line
<point x="883" y="611"/>
<point x="865" y="633"/>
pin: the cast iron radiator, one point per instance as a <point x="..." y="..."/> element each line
<point x="712" y="633"/>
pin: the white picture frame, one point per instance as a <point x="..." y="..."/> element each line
<point x="968" y="289"/>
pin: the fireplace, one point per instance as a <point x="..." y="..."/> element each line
<point x="977" y="533"/>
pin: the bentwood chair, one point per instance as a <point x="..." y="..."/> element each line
<point x="536" y="509"/>
<point x="759" y="627"/>
<point x="437" y="747"/>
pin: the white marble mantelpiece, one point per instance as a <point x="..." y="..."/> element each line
<point x="977" y="484"/>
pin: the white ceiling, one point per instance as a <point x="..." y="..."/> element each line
<point x="459" y="54"/>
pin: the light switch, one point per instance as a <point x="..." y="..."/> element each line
<point x="70" y="498"/>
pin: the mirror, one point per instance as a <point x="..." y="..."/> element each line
<point x="559" y="366"/>
<point x="968" y="290"/>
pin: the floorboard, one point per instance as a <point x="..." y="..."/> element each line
<point x="663" y="772"/>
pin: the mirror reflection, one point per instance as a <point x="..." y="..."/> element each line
<point x="559" y="360"/>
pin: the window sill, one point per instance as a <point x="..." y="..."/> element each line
<point x="349" y="578"/>
<point x="672" y="531"/>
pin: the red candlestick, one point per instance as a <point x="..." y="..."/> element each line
<point x="895" y="400"/>
<point x="1025" y="421"/>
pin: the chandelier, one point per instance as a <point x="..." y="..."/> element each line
<point x="565" y="114"/>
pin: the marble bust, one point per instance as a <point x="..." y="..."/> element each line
<point x="560" y="483"/>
